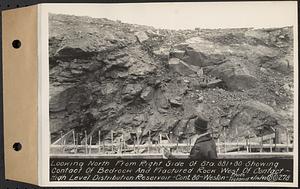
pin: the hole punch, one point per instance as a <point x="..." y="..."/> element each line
<point x="17" y="146"/>
<point x="16" y="44"/>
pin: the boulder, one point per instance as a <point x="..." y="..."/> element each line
<point x="215" y="83"/>
<point x="181" y="67"/>
<point x="177" y="53"/>
<point x="175" y="101"/>
<point x="235" y="75"/>
<point x="255" y="119"/>
<point x="147" y="93"/>
<point x="141" y="36"/>
<point x="130" y="91"/>
<point x="109" y="88"/>
<point x="200" y="52"/>
<point x="162" y="53"/>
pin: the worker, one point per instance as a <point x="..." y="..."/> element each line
<point x="204" y="147"/>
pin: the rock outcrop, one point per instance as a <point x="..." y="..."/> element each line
<point x="106" y="75"/>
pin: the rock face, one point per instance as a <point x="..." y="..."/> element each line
<point x="106" y="75"/>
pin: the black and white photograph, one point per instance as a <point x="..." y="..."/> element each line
<point x="128" y="90"/>
<point x="169" y="94"/>
<point x="156" y="94"/>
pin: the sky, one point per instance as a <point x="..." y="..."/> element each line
<point x="190" y="15"/>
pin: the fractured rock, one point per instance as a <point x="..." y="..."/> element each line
<point x="131" y="91"/>
<point x="181" y="67"/>
<point x="175" y="101"/>
<point x="201" y="52"/>
<point x="235" y="75"/>
<point x="215" y="83"/>
<point x="147" y="93"/>
<point x="162" y="53"/>
<point x="75" y="97"/>
<point x="176" y="53"/>
<point x="141" y="36"/>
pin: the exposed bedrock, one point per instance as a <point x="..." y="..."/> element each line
<point x="111" y="76"/>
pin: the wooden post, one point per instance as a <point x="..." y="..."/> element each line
<point x="112" y="141"/>
<point x="177" y="144"/>
<point x="86" y="142"/>
<point x="64" y="145"/>
<point x="123" y="143"/>
<point x="219" y="148"/>
<point x="99" y="135"/>
<point x="261" y="144"/>
<point x="271" y="149"/>
<point x="287" y="140"/>
<point x="91" y="139"/>
<point x="61" y="138"/>
<point x="225" y="140"/>
<point x="104" y="145"/>
<point x="249" y="144"/>
<point x="61" y="142"/>
<point x="160" y="138"/>
<point x="77" y="141"/>
<point x="276" y="141"/>
<point x="77" y="138"/>
<point x="149" y="141"/>
<point x="134" y="145"/>
<point x="160" y="148"/>
<point x="237" y="141"/>
<point x="137" y="139"/>
<point x="74" y="140"/>
<point x="120" y="145"/>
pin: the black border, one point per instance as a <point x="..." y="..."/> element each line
<point x="11" y="4"/>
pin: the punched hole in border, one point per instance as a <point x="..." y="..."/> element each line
<point x="17" y="146"/>
<point x="16" y="44"/>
